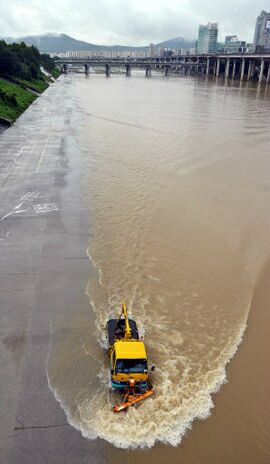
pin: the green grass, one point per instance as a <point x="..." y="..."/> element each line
<point x="38" y="85"/>
<point x="56" y="73"/>
<point x="23" y="99"/>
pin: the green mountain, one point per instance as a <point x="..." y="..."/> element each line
<point x="177" y="43"/>
<point x="62" y="42"/>
<point x="54" y="42"/>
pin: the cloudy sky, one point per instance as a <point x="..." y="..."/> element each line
<point x="130" y="22"/>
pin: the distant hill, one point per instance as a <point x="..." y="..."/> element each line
<point x="177" y="43"/>
<point x="55" y="42"/>
<point x="62" y="42"/>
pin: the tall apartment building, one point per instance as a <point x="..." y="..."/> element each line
<point x="262" y="30"/>
<point x="207" y="38"/>
<point x="152" y="50"/>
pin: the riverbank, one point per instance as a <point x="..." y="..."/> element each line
<point x="24" y="74"/>
<point x="16" y="95"/>
<point x="13" y="100"/>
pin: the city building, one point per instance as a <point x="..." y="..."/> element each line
<point x="165" y="53"/>
<point x="182" y="51"/>
<point x="234" y="45"/>
<point x="250" y="48"/>
<point x="262" y="31"/>
<point x="101" y="54"/>
<point x="207" y="38"/>
<point x="152" y="50"/>
<point x="229" y="39"/>
<point x="161" y="52"/>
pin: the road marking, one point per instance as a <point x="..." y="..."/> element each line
<point x="45" y="208"/>
<point x="30" y="196"/>
<point x="42" y="154"/>
<point x="26" y="196"/>
<point x="15" y="210"/>
<point x="4" y="234"/>
<point x="19" y="152"/>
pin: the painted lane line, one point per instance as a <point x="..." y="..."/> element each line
<point x="42" y="154"/>
<point x="15" y="210"/>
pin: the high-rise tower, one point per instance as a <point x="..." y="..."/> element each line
<point x="207" y="38"/>
<point x="262" y="30"/>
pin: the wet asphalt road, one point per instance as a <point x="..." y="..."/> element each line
<point x="44" y="230"/>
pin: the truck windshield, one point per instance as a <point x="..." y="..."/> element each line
<point x="131" y="365"/>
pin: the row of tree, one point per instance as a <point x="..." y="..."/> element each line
<point x="23" y="61"/>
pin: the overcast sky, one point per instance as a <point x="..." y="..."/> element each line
<point x="130" y="22"/>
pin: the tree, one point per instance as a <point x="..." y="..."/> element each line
<point x="23" y="61"/>
<point x="9" y="62"/>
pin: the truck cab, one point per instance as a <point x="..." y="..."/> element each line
<point x="127" y="353"/>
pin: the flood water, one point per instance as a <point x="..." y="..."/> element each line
<point x="176" y="179"/>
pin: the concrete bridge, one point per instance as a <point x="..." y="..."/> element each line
<point x="242" y="66"/>
<point x="149" y="65"/>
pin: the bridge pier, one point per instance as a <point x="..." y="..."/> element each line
<point x="128" y="69"/>
<point x="218" y="67"/>
<point x="64" y="68"/>
<point x="234" y="69"/>
<point x="261" y="71"/>
<point x="250" y="69"/>
<point x="148" y="70"/>
<point x="268" y="74"/>
<point x="200" y="70"/>
<point x="243" y="64"/>
<point x="227" y="72"/>
<point x="167" y="69"/>
<point x="86" y="68"/>
<point x="207" y="66"/>
<point x="108" y="70"/>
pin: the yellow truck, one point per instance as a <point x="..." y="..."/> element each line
<point x="128" y="359"/>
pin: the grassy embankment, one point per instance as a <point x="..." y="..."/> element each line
<point x="55" y="73"/>
<point x="15" y="96"/>
<point x="13" y="100"/>
<point x="21" y="78"/>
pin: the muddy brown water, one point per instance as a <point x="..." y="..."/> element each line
<point x="176" y="179"/>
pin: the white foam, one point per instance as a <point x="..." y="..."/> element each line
<point x="165" y="418"/>
<point x="181" y="397"/>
